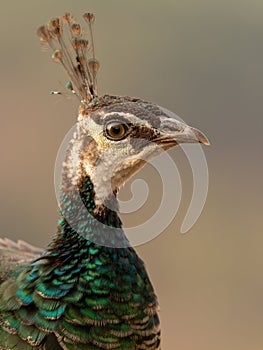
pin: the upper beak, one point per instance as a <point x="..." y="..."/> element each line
<point x="173" y="132"/>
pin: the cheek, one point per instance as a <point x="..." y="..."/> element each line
<point x="117" y="149"/>
<point x="103" y="142"/>
<point x="150" y="151"/>
<point x="126" y="170"/>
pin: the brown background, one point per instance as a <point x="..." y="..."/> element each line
<point x="200" y="59"/>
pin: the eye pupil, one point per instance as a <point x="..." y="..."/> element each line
<point x="116" y="129"/>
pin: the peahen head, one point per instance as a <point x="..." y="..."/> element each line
<point x="121" y="135"/>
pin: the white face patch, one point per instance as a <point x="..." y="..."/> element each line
<point x="103" y="171"/>
<point x="117" y="160"/>
<point x="131" y="117"/>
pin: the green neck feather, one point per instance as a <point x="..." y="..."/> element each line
<point x="81" y="217"/>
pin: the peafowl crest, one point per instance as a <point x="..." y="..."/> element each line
<point x="88" y="289"/>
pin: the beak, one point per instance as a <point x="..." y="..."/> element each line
<point x="173" y="132"/>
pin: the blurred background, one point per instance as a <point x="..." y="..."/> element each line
<point x="204" y="61"/>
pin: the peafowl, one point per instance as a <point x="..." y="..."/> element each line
<point x="88" y="289"/>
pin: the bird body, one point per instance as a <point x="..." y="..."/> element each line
<point x="79" y="295"/>
<point x="89" y="289"/>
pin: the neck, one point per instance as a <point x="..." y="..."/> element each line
<point x="81" y="217"/>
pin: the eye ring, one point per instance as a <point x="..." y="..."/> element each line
<point x="116" y="130"/>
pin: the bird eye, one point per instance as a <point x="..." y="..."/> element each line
<point x="116" y="131"/>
